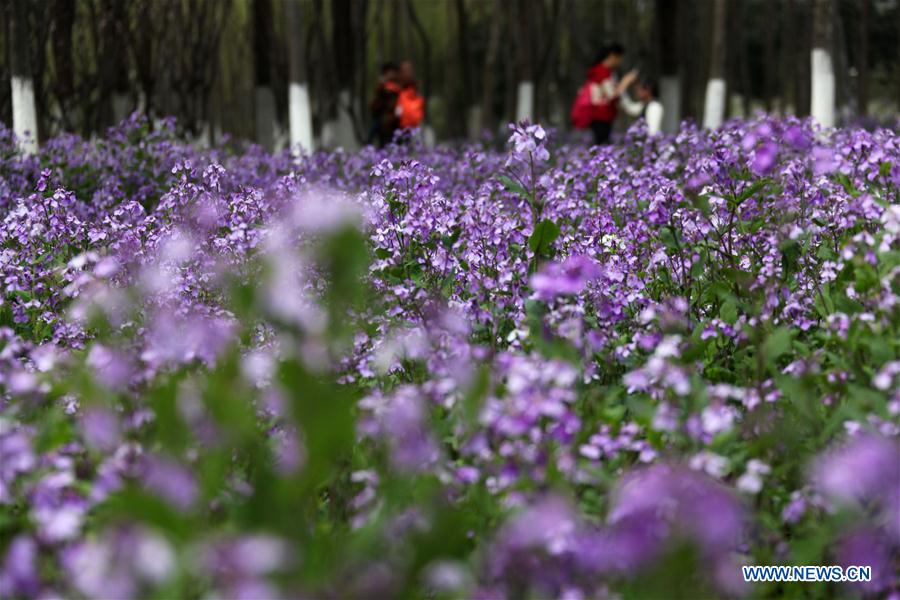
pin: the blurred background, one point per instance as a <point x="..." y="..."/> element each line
<point x="225" y="68"/>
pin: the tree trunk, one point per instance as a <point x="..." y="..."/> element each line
<point x="862" y="60"/>
<point x="114" y="70"/>
<point x="399" y="47"/>
<point x="802" y="71"/>
<point x="466" y="93"/>
<point x="63" y="20"/>
<point x="525" y="60"/>
<point x="380" y="44"/>
<point x="299" y="115"/>
<point x="419" y="28"/>
<point x="692" y="65"/>
<point x="787" y="75"/>
<point x="743" y="62"/>
<point x="840" y="64"/>
<point x="342" y="131"/>
<point x="24" y="112"/>
<point x="667" y="12"/>
<point x="714" y="106"/>
<point x="264" y="98"/>
<point x="490" y="67"/>
<point x="548" y="25"/>
<point x="770" y="68"/>
<point x="823" y="100"/>
<point x="143" y="51"/>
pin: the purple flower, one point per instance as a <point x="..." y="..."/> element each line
<point x="680" y="501"/>
<point x="19" y="574"/>
<point x="824" y="161"/>
<point x="796" y="137"/>
<point x="16" y="457"/>
<point x="116" y="563"/>
<point x="863" y="471"/>
<point x="101" y="429"/>
<point x="764" y="158"/>
<point x="170" y="480"/>
<point x="563" y="279"/>
<point x="865" y="547"/>
<point x="528" y="144"/>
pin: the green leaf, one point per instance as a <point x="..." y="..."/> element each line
<point x="790" y="256"/>
<point x="324" y="414"/>
<point x="132" y="503"/>
<point x="778" y="343"/>
<point x="229" y="403"/>
<point x="866" y="278"/>
<point x="476" y="394"/>
<point x="701" y="203"/>
<point x="541" y="240"/>
<point x="755" y="187"/>
<point x="669" y="239"/>
<point x="741" y="278"/>
<point x="513" y="186"/>
<point x="729" y="311"/>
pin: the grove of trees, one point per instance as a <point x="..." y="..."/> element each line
<point x="302" y="71"/>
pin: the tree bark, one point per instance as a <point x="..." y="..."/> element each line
<point x="743" y="62"/>
<point x="264" y="98"/>
<point x="143" y="50"/>
<point x="490" y="67"/>
<point x="343" y="43"/>
<point x="299" y="115"/>
<point x="426" y="48"/>
<point x="862" y="61"/>
<point x="525" y="60"/>
<point x="667" y="13"/>
<point x="462" y="20"/>
<point x="786" y="73"/>
<point x="714" y="106"/>
<point x="821" y="64"/>
<point x="24" y="111"/>
<point x="770" y="68"/>
<point x="799" y="17"/>
<point x="63" y="20"/>
<point x="550" y="43"/>
<point x="343" y="131"/>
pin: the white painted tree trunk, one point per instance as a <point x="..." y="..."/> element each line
<point x="525" y="102"/>
<point x="300" y="118"/>
<point x="670" y="96"/>
<point x="736" y="106"/>
<point x="339" y="132"/>
<point x="714" y="106"/>
<point x="264" y="109"/>
<point x="473" y="123"/>
<point x="299" y="112"/>
<point x="429" y="137"/>
<point x="24" y="114"/>
<point x="121" y="105"/>
<point x="822" y="103"/>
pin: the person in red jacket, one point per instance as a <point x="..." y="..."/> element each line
<point x="605" y="90"/>
<point x="410" y="105"/>
<point x="384" y="106"/>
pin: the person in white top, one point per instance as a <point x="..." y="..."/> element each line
<point x="605" y="90"/>
<point x="646" y="105"/>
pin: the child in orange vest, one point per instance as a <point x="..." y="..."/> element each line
<point x="384" y="106"/>
<point x="410" y="109"/>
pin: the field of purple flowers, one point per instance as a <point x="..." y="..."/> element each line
<point x="536" y="370"/>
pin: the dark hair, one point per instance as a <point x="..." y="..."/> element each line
<point x="613" y="48"/>
<point x="651" y="85"/>
<point x="388" y="66"/>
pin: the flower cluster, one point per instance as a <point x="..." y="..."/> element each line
<point x="542" y="371"/>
